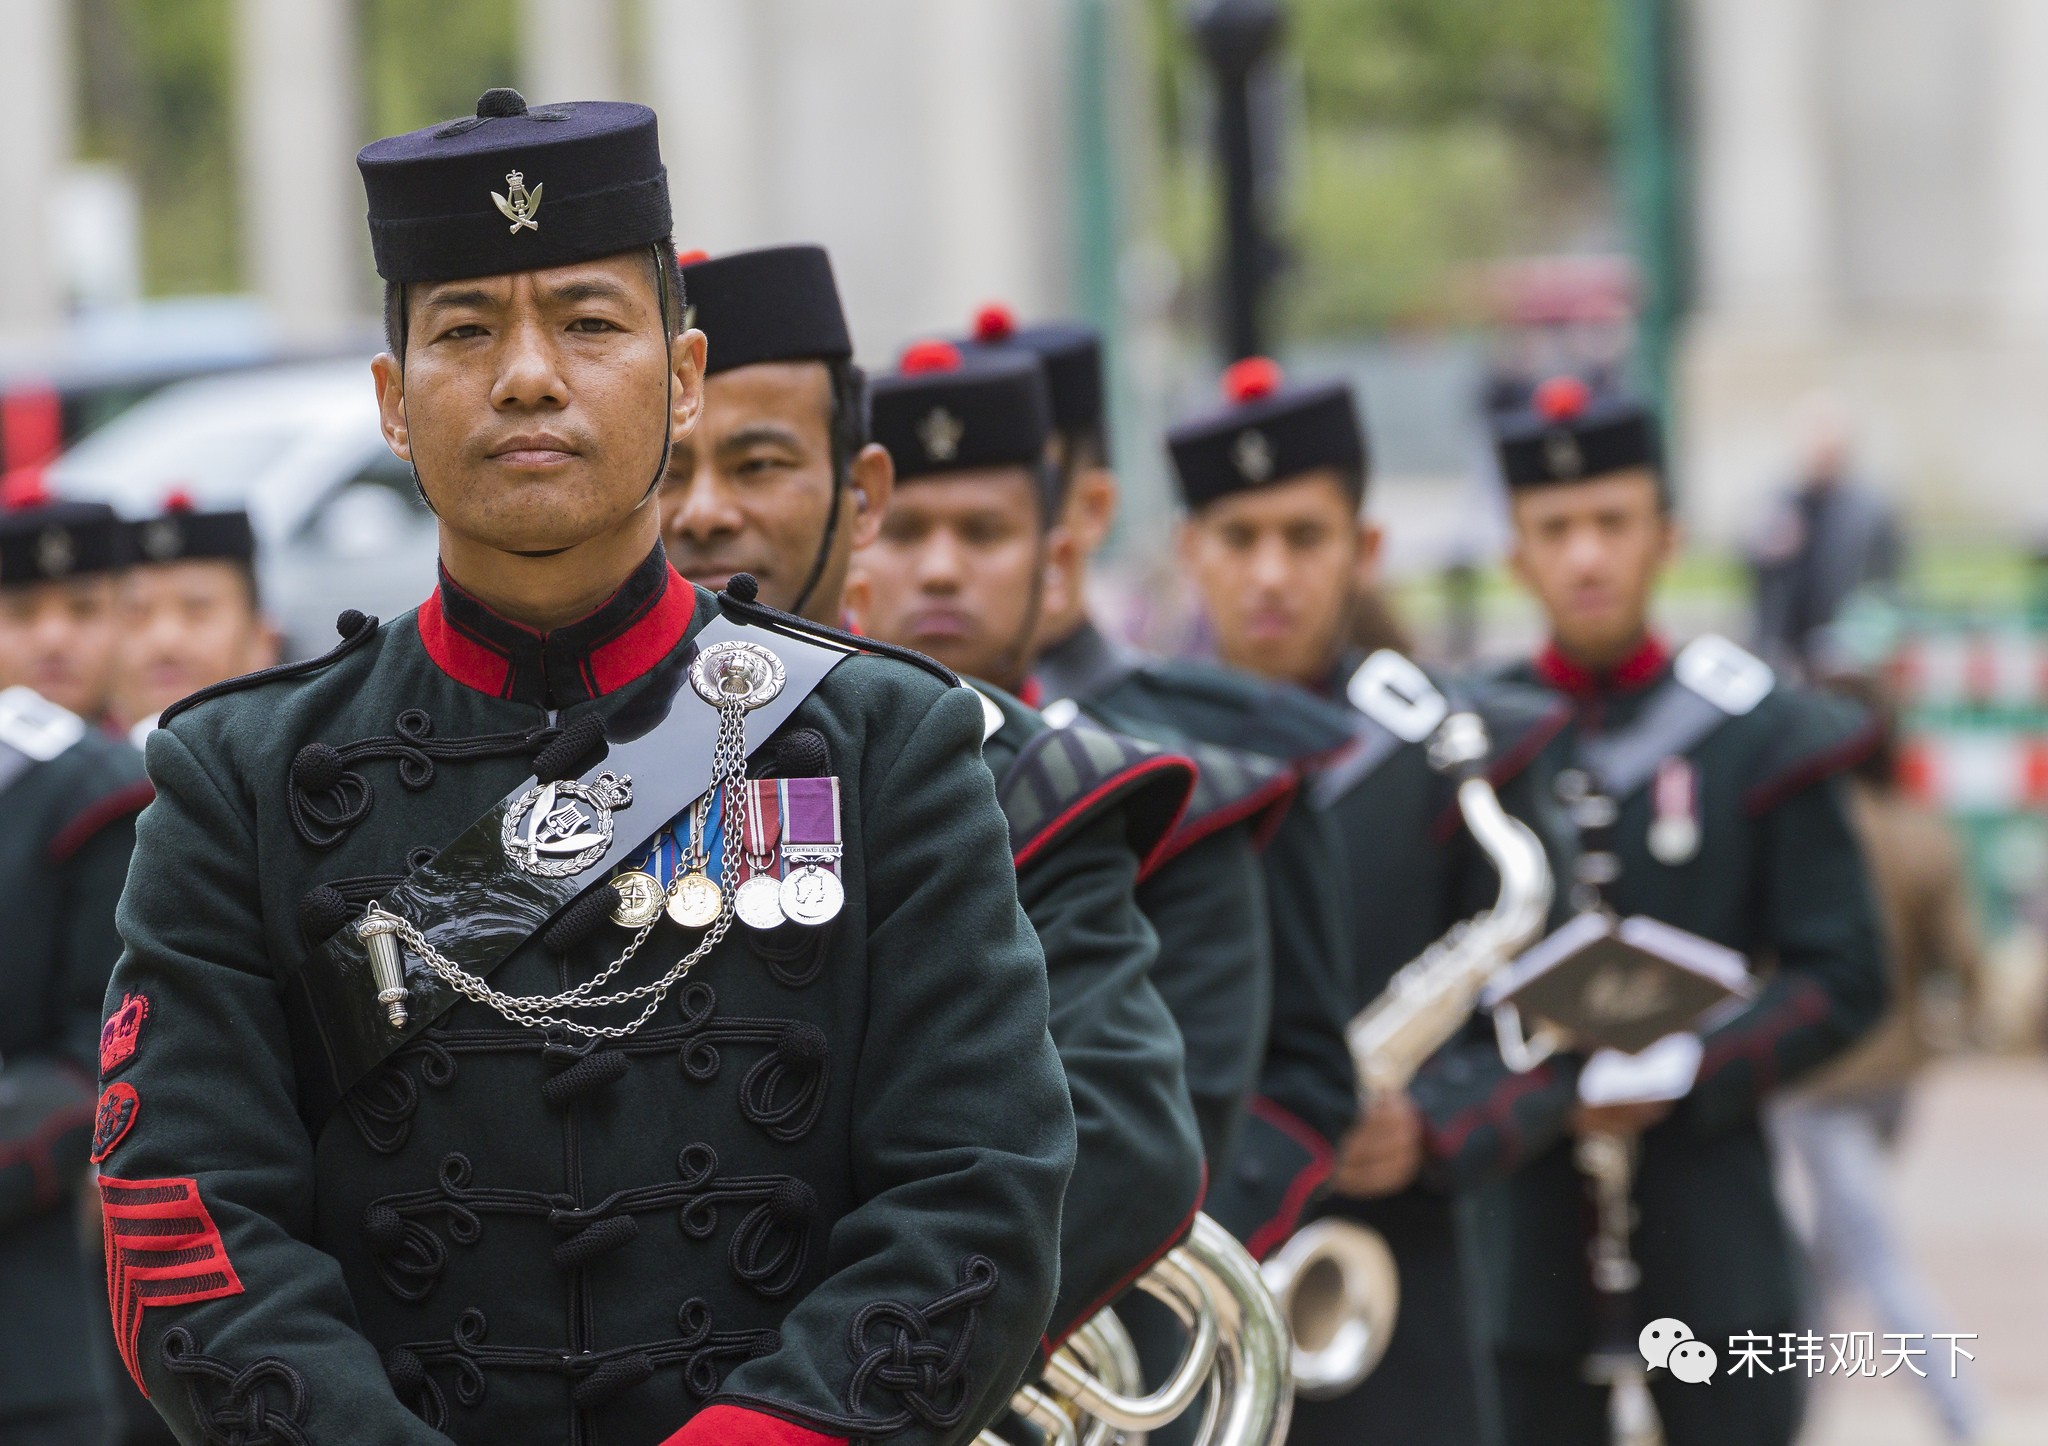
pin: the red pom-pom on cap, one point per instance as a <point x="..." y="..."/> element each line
<point x="994" y="323"/>
<point x="929" y="356"/>
<point x="1251" y="380"/>
<point x="1561" y="399"/>
<point x="25" y="487"/>
<point x="179" y="499"/>
<point x="692" y="257"/>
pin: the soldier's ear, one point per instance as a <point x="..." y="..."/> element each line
<point x="389" y="378"/>
<point x="873" y="479"/>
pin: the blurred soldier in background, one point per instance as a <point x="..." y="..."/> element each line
<point x="189" y="613"/>
<point x="57" y="597"/>
<point x="1824" y="539"/>
<point x="68" y="797"/>
<point x="1841" y="1125"/>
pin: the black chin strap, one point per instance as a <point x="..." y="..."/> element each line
<point x="817" y="572"/>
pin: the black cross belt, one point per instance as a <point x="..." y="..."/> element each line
<point x="475" y="907"/>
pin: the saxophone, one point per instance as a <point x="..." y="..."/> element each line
<point x="1335" y="1280"/>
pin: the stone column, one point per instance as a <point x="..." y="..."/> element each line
<point x="706" y="74"/>
<point x="35" y="71"/>
<point x="569" y="50"/>
<point x="2019" y="166"/>
<point x="302" y="204"/>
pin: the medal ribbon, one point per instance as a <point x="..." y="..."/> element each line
<point x="764" y="828"/>
<point x="1673" y="792"/>
<point x="810" y="821"/>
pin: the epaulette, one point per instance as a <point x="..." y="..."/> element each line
<point x="739" y="600"/>
<point x="1813" y="735"/>
<point x="35" y="727"/>
<point x="1061" y="778"/>
<point x="356" y="628"/>
<point x="1250" y="713"/>
<point x="1232" y="786"/>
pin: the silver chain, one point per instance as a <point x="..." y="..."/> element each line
<point x="728" y="771"/>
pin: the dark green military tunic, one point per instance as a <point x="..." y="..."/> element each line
<point x="1087" y="811"/>
<point x="68" y="797"/>
<point x="1777" y="876"/>
<point x="1411" y="873"/>
<point x="1306" y="1096"/>
<point x="815" y="1198"/>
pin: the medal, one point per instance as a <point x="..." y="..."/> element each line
<point x="640" y="899"/>
<point x="811" y="890"/>
<point x="758" y="899"/>
<point x="694" y="898"/>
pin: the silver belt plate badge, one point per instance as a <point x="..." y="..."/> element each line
<point x="745" y="675"/>
<point x="558" y="829"/>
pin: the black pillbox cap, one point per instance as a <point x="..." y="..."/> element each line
<point x="1264" y="434"/>
<point x="774" y="305"/>
<point x="1569" y="434"/>
<point x="1070" y="352"/>
<point x="182" y="534"/>
<point x="947" y="413"/>
<point x="46" y="540"/>
<point x="515" y="189"/>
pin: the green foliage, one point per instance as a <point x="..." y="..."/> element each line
<point x="426" y="62"/>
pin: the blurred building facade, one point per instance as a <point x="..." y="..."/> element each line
<point x="1871" y="216"/>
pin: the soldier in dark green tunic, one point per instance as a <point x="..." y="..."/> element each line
<point x="754" y="488"/>
<point x="68" y="796"/>
<point x="1701" y="792"/>
<point x="1279" y="551"/>
<point x="435" y="1137"/>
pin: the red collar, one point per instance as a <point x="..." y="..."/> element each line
<point x="1638" y="670"/>
<point x="617" y="642"/>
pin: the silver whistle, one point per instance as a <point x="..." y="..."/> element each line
<point x="379" y="933"/>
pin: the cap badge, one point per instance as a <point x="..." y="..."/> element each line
<point x="56" y="554"/>
<point x="162" y="540"/>
<point x="1562" y="455"/>
<point x="1253" y="455"/>
<point x="941" y="432"/>
<point x="518" y="203"/>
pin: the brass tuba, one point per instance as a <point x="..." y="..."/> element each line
<point x="1235" y="1364"/>
<point x="1335" y="1279"/>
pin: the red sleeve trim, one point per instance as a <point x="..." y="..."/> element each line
<point x="1805" y="1004"/>
<point x="737" y="1426"/>
<point x="119" y="804"/>
<point x="1766" y="796"/>
<point x="1533" y="740"/>
<point x="1116" y="784"/>
<point x="1271" y="1235"/>
<point x="1497" y="1109"/>
<point x="1050" y="1342"/>
<point x="162" y="1248"/>
<point x="1268" y="804"/>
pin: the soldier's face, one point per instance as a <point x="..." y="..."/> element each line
<point x="184" y="626"/>
<point x="536" y="405"/>
<point x="1276" y="571"/>
<point x="956" y="571"/>
<point x="751" y="489"/>
<point x="1591" y="553"/>
<point x="58" y="638"/>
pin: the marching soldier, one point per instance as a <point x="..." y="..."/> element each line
<point x="769" y="453"/>
<point x="1699" y="791"/>
<point x="190" y="613"/>
<point x="57" y="625"/>
<point x="68" y="797"/>
<point x="480" y="1096"/>
<point x="1279" y="553"/>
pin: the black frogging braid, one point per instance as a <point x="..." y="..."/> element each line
<point x="739" y="599"/>
<point x="355" y="629"/>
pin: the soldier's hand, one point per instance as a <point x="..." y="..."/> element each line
<point x="1382" y="1152"/>
<point x="1618" y="1119"/>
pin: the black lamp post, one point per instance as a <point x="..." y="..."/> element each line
<point x="1236" y="36"/>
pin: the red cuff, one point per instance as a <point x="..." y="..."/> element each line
<point x="737" y="1426"/>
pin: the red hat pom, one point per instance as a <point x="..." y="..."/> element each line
<point x="25" y="487"/>
<point x="994" y="323"/>
<point x="1561" y="399"/>
<point x="1251" y="380"/>
<point x="178" y="500"/>
<point x="692" y="257"/>
<point x="930" y="356"/>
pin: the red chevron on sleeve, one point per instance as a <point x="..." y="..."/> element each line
<point x="162" y="1249"/>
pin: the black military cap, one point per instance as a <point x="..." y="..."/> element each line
<point x="774" y="305"/>
<point x="1266" y="432"/>
<point x="1568" y="434"/>
<point x="46" y="540"/>
<point x="182" y="533"/>
<point x="941" y="412"/>
<point x="1070" y="352"/>
<point x="513" y="189"/>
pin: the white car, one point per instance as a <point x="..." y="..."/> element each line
<point x="338" y="523"/>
